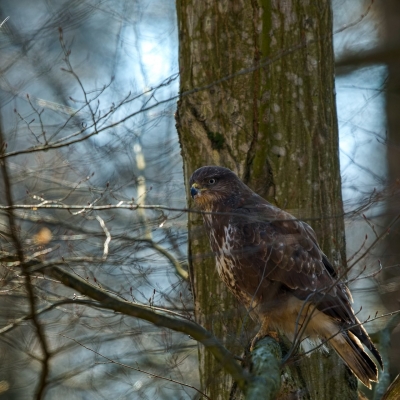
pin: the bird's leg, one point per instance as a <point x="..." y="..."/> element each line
<point x="264" y="331"/>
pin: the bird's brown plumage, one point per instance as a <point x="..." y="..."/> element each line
<point x="272" y="263"/>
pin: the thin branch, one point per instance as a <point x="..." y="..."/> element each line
<point x="129" y="205"/>
<point x="381" y="55"/>
<point x="4" y="22"/>
<point x="28" y="281"/>
<point x="360" y="248"/>
<point x="178" y="266"/>
<point x="43" y="310"/>
<point x="370" y="225"/>
<point x="177" y="324"/>
<point x="370" y="275"/>
<point x="108" y="236"/>
<point x="374" y="243"/>
<point x="135" y="368"/>
<point x="263" y="63"/>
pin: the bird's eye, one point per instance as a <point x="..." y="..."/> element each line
<point x="211" y="181"/>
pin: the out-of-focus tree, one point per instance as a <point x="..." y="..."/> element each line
<point x="376" y="60"/>
<point x="390" y="339"/>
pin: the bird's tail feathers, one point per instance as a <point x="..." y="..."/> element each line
<point x="364" y="338"/>
<point x="350" y="349"/>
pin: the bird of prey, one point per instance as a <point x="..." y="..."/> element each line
<point x="273" y="264"/>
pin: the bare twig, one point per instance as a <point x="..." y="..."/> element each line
<point x="96" y="118"/>
<point x="43" y="310"/>
<point x="4" y="21"/>
<point x="358" y="251"/>
<point x="108" y="236"/>
<point x="370" y="225"/>
<point x="41" y="387"/>
<point x="178" y="266"/>
<point x="374" y="243"/>
<point x="177" y="324"/>
<point x="370" y="275"/>
<point x="136" y="368"/>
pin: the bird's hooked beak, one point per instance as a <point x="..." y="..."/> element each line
<point x="194" y="190"/>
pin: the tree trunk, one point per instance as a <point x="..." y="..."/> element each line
<point x="390" y="252"/>
<point x="266" y="109"/>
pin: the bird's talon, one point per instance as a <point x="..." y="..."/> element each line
<point x="258" y="337"/>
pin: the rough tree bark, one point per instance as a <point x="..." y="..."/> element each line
<point x="266" y="109"/>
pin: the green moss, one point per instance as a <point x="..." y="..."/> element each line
<point x="216" y="139"/>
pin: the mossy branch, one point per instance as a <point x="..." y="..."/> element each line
<point x="266" y="372"/>
<point x="264" y="379"/>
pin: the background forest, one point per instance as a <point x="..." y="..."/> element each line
<point x="94" y="160"/>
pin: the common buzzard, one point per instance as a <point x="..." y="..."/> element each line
<point x="272" y="263"/>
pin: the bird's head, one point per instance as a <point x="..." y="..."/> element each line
<point x="214" y="187"/>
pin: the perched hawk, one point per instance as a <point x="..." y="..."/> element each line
<point x="272" y="263"/>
